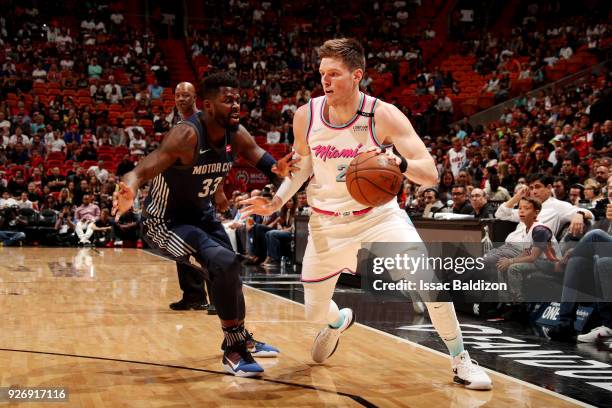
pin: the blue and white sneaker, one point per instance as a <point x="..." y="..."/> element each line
<point x="237" y="360"/>
<point x="257" y="348"/>
<point x="260" y="349"/>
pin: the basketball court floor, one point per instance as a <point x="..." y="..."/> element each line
<point x="97" y="323"/>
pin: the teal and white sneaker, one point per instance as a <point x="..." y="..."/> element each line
<point x="326" y="342"/>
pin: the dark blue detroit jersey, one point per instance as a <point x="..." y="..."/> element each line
<point x="181" y="193"/>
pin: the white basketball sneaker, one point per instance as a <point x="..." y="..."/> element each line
<point x="469" y="373"/>
<point x="326" y="342"/>
<point x="601" y="333"/>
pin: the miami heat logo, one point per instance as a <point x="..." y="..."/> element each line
<point x="325" y="152"/>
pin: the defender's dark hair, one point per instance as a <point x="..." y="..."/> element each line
<point x="213" y="83"/>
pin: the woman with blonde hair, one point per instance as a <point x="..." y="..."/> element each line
<point x="65" y="197"/>
<point x="592" y="192"/>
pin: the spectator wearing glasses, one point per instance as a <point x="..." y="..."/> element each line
<point x="461" y="205"/>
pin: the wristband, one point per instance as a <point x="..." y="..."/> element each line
<point x="403" y="166"/>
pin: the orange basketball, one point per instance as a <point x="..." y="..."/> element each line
<point x="373" y="179"/>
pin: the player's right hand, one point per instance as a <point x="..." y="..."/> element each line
<point x="123" y="200"/>
<point x="258" y="205"/>
<point x="285" y="166"/>
<point x="388" y="152"/>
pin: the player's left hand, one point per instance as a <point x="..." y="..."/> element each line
<point x="285" y="166"/>
<point x="388" y="152"/>
<point x="260" y="206"/>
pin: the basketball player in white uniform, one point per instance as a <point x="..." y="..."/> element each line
<point x="329" y="132"/>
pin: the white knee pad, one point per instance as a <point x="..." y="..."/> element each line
<point x="320" y="308"/>
<point x="444" y="319"/>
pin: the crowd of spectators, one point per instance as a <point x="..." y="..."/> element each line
<point x="82" y="98"/>
<point x="272" y="49"/>
<point x="509" y="58"/>
<point x="550" y="133"/>
<point x="534" y="44"/>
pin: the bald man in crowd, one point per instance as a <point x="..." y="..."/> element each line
<point x="480" y="206"/>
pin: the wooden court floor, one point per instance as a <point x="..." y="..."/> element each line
<point x="97" y="322"/>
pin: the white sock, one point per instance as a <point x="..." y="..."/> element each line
<point x="444" y="320"/>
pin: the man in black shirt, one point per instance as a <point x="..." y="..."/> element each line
<point x="88" y="152"/>
<point x="127" y="228"/>
<point x="55" y="181"/>
<point x="102" y="228"/>
<point x="17" y="185"/>
<point x="18" y="154"/>
<point x="560" y="188"/>
<point x="461" y="204"/>
<point x="480" y="207"/>
<point x="569" y="172"/>
<point x="601" y="141"/>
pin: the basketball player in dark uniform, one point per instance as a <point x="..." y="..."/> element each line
<point x="193" y="282"/>
<point x="186" y="170"/>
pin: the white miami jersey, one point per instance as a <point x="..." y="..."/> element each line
<point x="332" y="149"/>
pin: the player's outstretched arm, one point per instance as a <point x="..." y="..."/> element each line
<point x="262" y="160"/>
<point x="395" y="128"/>
<point x="178" y="145"/>
<point x="291" y="185"/>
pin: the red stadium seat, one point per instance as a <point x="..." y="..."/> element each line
<point x="55" y="156"/>
<point x="54" y="163"/>
<point x="15" y="168"/>
<point x="120" y="151"/>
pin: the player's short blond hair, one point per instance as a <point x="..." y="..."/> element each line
<point x="348" y="50"/>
